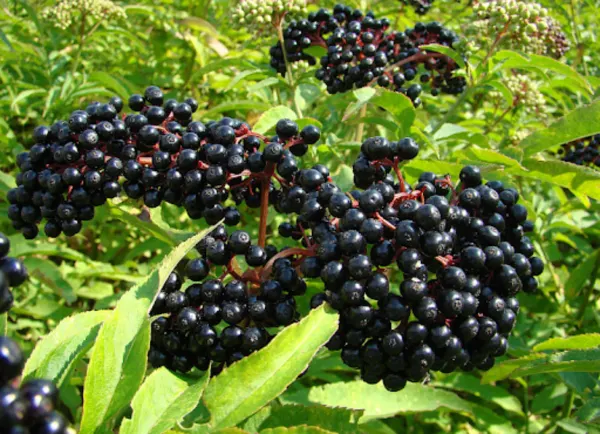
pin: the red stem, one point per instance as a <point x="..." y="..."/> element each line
<point x="264" y="204"/>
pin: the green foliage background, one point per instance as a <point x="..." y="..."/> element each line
<point x="190" y="48"/>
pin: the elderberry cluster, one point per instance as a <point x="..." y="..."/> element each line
<point x="420" y="6"/>
<point x="158" y="153"/>
<point x="30" y="407"/>
<point x="12" y="273"/>
<point x="221" y="318"/>
<point x="360" y="52"/>
<point x="460" y="256"/>
<point x="583" y="152"/>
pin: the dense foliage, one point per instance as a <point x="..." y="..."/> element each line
<point x="242" y="204"/>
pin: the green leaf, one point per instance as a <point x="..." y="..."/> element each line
<point x="549" y="398"/>
<point x="489" y="156"/>
<point x="242" y="105"/>
<point x="253" y="73"/>
<point x="25" y="95"/>
<point x="297" y="430"/>
<point x="579" y="342"/>
<point x="6" y="183"/>
<point x="269" y="119"/>
<point x="221" y="64"/>
<point x="267" y="82"/>
<point x="3" y="324"/>
<point x="118" y="360"/>
<point x="581" y="274"/>
<point x="200" y="24"/>
<point x="589" y="411"/>
<point x="316" y="51"/>
<point x="162" y="401"/>
<point x="338" y="420"/>
<point x="500" y="87"/>
<point x="48" y="273"/>
<point x="362" y="95"/>
<point x="576" y="178"/>
<point x="399" y="105"/>
<point x="110" y="82"/>
<point x="567" y="361"/>
<point x="575" y="427"/>
<point x="470" y="384"/>
<point x="447" y="51"/>
<point x="378" y="403"/>
<point x="306" y="94"/>
<point x="513" y="60"/>
<point x="581" y="122"/>
<point x="503" y="370"/>
<point x="20" y="247"/>
<point x="268" y="372"/>
<point x="57" y="352"/>
<point x="151" y="224"/>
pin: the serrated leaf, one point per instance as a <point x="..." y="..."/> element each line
<point x="581" y="274"/>
<point x="580" y="342"/>
<point x="269" y="119"/>
<point x="56" y="353"/>
<point x="163" y="399"/>
<point x="567" y="361"/>
<point x="503" y="370"/>
<point x="338" y="420"/>
<point x="268" y="372"/>
<point x="114" y="372"/>
<point x="378" y="403"/>
<point x="490" y="156"/>
<point x="581" y="122"/>
<point x="576" y="178"/>
<point x="470" y="384"/>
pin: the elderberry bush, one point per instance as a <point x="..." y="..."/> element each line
<point x="583" y="152"/>
<point x="361" y="52"/>
<point x="212" y="313"/>
<point x="30" y="407"/>
<point x="156" y="153"/>
<point x="12" y="273"/>
<point x="425" y="277"/>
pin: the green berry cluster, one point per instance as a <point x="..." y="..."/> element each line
<point x="520" y="25"/>
<point x="66" y="12"/>
<point x="527" y="94"/>
<point x="261" y="15"/>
